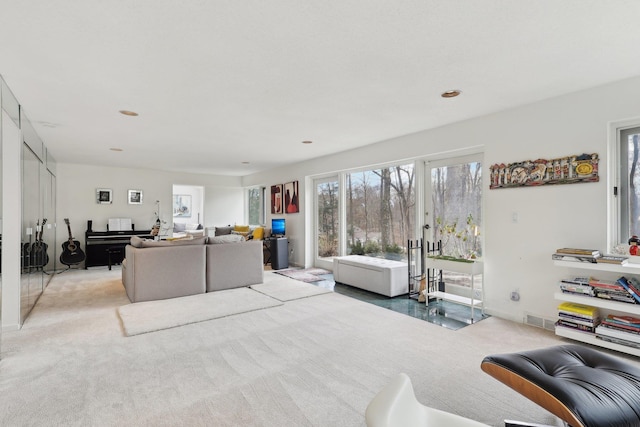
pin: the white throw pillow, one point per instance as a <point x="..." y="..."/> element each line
<point x="227" y="238"/>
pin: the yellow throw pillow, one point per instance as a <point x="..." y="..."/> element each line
<point x="241" y="228"/>
<point x="258" y="233"/>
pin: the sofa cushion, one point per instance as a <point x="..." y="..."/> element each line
<point x="193" y="227"/>
<point x="241" y="229"/>
<point x="258" y="233"/>
<point x="227" y="238"/>
<point x="234" y="265"/>
<point x="222" y="231"/>
<point x="164" y="272"/>
<point x="179" y="227"/>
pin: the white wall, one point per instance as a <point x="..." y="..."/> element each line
<point x="223" y="203"/>
<point x="517" y="255"/>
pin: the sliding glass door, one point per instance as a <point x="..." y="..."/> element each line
<point x="454" y="205"/>
<point x="453" y="215"/>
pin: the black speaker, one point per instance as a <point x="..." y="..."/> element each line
<point x="279" y="253"/>
<point x="89" y="224"/>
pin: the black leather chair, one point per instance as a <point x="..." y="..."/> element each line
<point x="582" y="386"/>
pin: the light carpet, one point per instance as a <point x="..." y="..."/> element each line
<point x="304" y="275"/>
<point x="150" y="316"/>
<point x="309" y="362"/>
<point x="285" y="289"/>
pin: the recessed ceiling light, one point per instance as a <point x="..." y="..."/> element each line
<point x="128" y="113"/>
<point x="245" y="163"/>
<point x="307" y="142"/>
<point x="116" y="149"/>
<point x="451" y="93"/>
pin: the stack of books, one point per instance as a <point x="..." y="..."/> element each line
<point x="623" y="330"/>
<point x="612" y="259"/>
<point x="577" y="285"/>
<point x="576" y="255"/>
<point x="611" y="290"/>
<point x="577" y="316"/>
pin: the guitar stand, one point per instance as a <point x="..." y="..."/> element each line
<point x="66" y="269"/>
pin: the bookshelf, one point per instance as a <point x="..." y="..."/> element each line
<point x="611" y="268"/>
<point x="609" y="306"/>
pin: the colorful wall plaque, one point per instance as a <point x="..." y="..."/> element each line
<point x="564" y="170"/>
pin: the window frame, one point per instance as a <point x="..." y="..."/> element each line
<point x="617" y="188"/>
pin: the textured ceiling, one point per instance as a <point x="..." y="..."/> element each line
<point x="217" y="83"/>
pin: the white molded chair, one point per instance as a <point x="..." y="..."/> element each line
<point x="396" y="406"/>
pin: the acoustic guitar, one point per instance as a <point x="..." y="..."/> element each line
<point x="71" y="252"/>
<point x="39" y="256"/>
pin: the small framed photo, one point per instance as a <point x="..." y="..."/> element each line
<point x="104" y="196"/>
<point x="135" y="197"/>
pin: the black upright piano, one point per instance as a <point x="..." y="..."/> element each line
<point x="104" y="246"/>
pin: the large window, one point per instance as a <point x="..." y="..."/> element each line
<point x="380" y="214"/>
<point x="629" y="191"/>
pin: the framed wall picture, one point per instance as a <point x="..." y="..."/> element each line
<point x="276" y="199"/>
<point x="182" y="206"/>
<point x="135" y="197"/>
<point x="104" y="196"/>
<point x="291" y="204"/>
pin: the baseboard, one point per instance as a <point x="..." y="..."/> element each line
<point x="9" y="328"/>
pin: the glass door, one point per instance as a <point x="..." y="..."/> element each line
<point x="453" y="219"/>
<point x="327" y="221"/>
<point x="453" y="200"/>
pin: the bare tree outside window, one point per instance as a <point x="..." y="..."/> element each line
<point x="381" y="211"/>
<point x="328" y="197"/>
<point x="256" y="203"/>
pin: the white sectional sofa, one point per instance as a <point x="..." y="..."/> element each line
<point x="382" y="276"/>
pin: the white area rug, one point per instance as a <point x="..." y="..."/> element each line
<point x="304" y="275"/>
<point x="285" y="289"/>
<point x="149" y="316"/>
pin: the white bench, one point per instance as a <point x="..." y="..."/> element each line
<point x="382" y="276"/>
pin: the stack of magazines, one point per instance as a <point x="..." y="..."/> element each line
<point x="611" y="290"/>
<point x="578" y="286"/>
<point x="576" y="255"/>
<point x="577" y="316"/>
<point x="623" y="330"/>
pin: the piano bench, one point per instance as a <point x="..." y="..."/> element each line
<point x="114" y="250"/>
